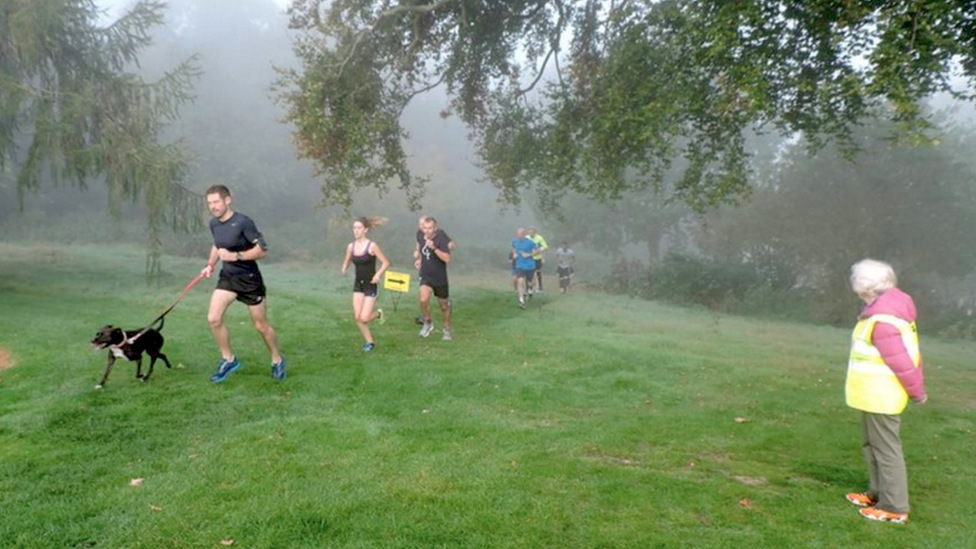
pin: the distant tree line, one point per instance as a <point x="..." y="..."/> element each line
<point x="788" y="251"/>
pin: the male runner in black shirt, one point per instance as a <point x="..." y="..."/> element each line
<point x="434" y="255"/>
<point x="238" y="245"/>
<point x="416" y="256"/>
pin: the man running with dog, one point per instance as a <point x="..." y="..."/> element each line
<point x="238" y="245"/>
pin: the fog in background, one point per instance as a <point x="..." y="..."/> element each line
<point x="234" y="131"/>
<point x="786" y="251"/>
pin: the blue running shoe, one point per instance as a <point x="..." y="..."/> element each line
<point x="368" y="347"/>
<point x="225" y="368"/>
<point x="278" y="370"/>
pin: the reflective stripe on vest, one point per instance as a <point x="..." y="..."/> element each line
<point x="871" y="385"/>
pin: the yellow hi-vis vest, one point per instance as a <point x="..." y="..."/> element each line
<point x="871" y="385"/>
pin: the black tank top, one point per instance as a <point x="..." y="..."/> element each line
<point x="365" y="263"/>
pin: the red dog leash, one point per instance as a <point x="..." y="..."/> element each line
<point x="159" y="318"/>
<point x="186" y="290"/>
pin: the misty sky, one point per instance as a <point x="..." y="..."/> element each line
<point x="114" y="7"/>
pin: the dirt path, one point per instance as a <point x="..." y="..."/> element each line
<point x="6" y="360"/>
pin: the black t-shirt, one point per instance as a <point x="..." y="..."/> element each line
<point x="237" y="234"/>
<point x="433" y="271"/>
<point x="365" y="264"/>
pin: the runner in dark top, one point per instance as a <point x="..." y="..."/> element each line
<point x="416" y="256"/>
<point x="434" y="255"/>
<point x="238" y="245"/>
<point x="363" y="253"/>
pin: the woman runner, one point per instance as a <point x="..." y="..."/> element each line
<point x="363" y="253"/>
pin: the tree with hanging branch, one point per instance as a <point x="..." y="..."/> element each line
<point x="72" y="110"/>
<point x="602" y="97"/>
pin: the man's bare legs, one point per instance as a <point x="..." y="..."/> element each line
<point x="259" y="315"/>
<point x="219" y="301"/>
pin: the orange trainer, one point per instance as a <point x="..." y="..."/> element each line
<point x="873" y="513"/>
<point x="861" y="499"/>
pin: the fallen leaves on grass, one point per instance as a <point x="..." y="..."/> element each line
<point x="136" y="482"/>
<point x="745" y="503"/>
<point x="155" y="508"/>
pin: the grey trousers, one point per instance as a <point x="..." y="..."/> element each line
<point x="886" y="462"/>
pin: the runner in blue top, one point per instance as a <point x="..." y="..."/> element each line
<point x="522" y="248"/>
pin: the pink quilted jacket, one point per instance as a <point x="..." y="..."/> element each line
<point x="887" y="339"/>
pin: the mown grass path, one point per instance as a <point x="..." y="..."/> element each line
<point x="584" y="421"/>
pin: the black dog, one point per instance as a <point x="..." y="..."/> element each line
<point x="130" y="345"/>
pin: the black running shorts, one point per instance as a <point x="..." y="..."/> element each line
<point x="366" y="287"/>
<point x="440" y="292"/>
<point x="249" y="287"/>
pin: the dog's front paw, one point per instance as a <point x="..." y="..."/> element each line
<point x="99" y="386"/>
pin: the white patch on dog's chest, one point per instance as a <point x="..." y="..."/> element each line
<point x="119" y="353"/>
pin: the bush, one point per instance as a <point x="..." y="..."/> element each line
<point x="735" y="288"/>
<point x="798" y="305"/>
<point x="694" y="280"/>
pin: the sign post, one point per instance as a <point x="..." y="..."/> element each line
<point x="396" y="282"/>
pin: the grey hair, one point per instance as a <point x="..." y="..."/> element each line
<point x="871" y="278"/>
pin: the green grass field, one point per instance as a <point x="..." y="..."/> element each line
<point x="585" y="421"/>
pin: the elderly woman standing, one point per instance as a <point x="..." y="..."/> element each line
<point x="884" y="371"/>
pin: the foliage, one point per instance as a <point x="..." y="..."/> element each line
<point x="912" y="206"/>
<point x="641" y="218"/>
<point x="586" y="421"/>
<point x="681" y="278"/>
<point x="600" y="97"/>
<point x="68" y="98"/>
<point x="761" y="288"/>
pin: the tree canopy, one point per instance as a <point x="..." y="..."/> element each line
<point x="73" y="110"/>
<point x="604" y="96"/>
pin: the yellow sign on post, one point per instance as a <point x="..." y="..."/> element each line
<point x="397" y="282"/>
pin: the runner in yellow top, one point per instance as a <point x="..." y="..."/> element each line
<point x="540" y="241"/>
